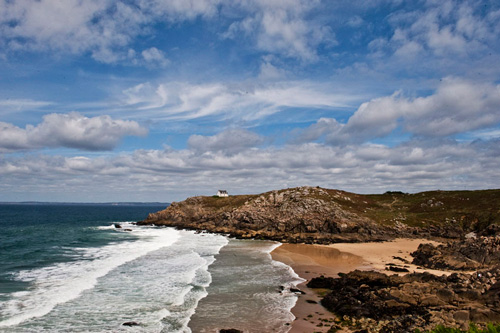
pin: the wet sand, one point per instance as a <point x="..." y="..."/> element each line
<point x="310" y="261"/>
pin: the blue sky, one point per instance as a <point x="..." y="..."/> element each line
<point x="159" y="100"/>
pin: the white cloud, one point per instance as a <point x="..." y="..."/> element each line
<point x="487" y="134"/>
<point x="243" y="101"/>
<point x="322" y="128"/>
<point x="355" y="21"/>
<point x="70" y="130"/>
<point x="151" y="57"/>
<point x="154" y="56"/>
<point x="106" y="29"/>
<point x="155" y="174"/>
<point x="180" y="10"/>
<point x="445" y="28"/>
<point x="103" y="28"/>
<point x="22" y="104"/>
<point x="230" y="141"/>
<point x="457" y="106"/>
<point x="269" y="72"/>
<point x="282" y="27"/>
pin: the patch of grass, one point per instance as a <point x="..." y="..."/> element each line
<point x="471" y="210"/>
<point x="228" y="203"/>
<point x="490" y="328"/>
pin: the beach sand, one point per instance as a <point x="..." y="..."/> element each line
<point x="310" y="261"/>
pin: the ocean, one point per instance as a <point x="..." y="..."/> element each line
<point x="66" y="268"/>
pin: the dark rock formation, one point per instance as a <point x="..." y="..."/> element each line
<point x="131" y="323"/>
<point x="419" y="300"/>
<point x="230" y="330"/>
<point x="117" y="225"/>
<point x="395" y="268"/>
<point x="305" y="214"/>
<point x="469" y="254"/>
<point x="318" y="215"/>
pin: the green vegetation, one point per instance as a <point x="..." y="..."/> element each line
<point x="470" y="210"/>
<point x="490" y="328"/>
<point x="228" y="203"/>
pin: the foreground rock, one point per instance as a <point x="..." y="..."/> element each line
<point x="381" y="303"/>
<point x="470" y="254"/>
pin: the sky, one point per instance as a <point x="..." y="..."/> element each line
<point x="158" y="100"/>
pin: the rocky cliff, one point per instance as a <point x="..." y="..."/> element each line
<point x="300" y="214"/>
<point x="318" y="215"/>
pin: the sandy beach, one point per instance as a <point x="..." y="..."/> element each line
<point x="310" y="261"/>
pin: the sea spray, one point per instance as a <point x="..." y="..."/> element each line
<point x="62" y="282"/>
<point x="76" y="272"/>
<point x="156" y="281"/>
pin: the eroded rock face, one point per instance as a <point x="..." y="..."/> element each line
<point x="305" y="214"/>
<point x="419" y="300"/>
<point x="469" y="254"/>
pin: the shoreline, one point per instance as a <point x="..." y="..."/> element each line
<point x="308" y="261"/>
<point x="312" y="260"/>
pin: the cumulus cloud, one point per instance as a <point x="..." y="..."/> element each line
<point x="322" y="128"/>
<point x="155" y="174"/>
<point x="154" y="56"/>
<point x="230" y="141"/>
<point x="282" y="27"/>
<point x="106" y="29"/>
<point x="70" y="130"/>
<point x="444" y="28"/>
<point x="457" y="106"/>
<point x="151" y="57"/>
<point x="103" y="28"/>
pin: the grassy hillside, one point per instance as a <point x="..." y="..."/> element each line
<point x="467" y="209"/>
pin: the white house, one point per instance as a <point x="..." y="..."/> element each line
<point x="222" y="194"/>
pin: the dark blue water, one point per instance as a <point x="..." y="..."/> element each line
<point x="35" y="235"/>
<point x="66" y="268"/>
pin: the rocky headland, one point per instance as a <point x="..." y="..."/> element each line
<point x="466" y="223"/>
<point x="318" y="215"/>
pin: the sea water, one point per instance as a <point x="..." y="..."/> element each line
<point x="66" y="268"/>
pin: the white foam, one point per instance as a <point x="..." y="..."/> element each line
<point x="289" y="299"/>
<point x="297" y="278"/>
<point x="63" y="282"/>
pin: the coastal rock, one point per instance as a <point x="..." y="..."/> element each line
<point x="468" y="254"/>
<point x="323" y="216"/>
<point x="413" y="301"/>
<point x="130" y="323"/>
<point x="304" y="214"/>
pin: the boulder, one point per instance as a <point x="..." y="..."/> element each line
<point x="413" y="301"/>
<point x="131" y="323"/>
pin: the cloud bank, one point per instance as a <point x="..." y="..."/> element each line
<point x="70" y="130"/>
<point x="174" y="174"/>
<point x="458" y="106"/>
